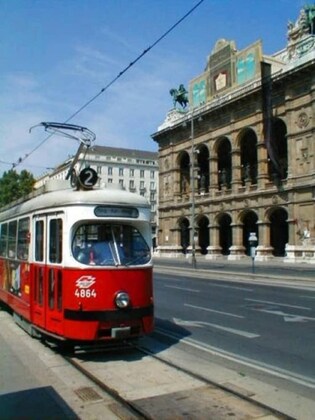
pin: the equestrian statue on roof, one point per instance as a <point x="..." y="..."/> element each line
<point x="179" y="96"/>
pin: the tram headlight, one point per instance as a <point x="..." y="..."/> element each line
<point x="122" y="300"/>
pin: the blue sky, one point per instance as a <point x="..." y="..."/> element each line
<point x="55" y="55"/>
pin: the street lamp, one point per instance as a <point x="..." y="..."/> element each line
<point x="192" y="180"/>
<point x="252" y="243"/>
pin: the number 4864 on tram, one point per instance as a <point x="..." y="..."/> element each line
<point x="76" y="264"/>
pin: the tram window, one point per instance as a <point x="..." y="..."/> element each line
<point x="3" y="239"/>
<point x="39" y="240"/>
<point x="109" y="245"/>
<point x="55" y="243"/>
<point x="12" y="239"/>
<point x="131" y="246"/>
<point x="23" y="238"/>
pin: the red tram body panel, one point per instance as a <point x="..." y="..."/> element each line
<point x="77" y="265"/>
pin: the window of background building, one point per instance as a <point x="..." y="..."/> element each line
<point x="121" y="171"/>
<point x="132" y="172"/>
<point x="131" y="184"/>
<point x="110" y="180"/>
<point x="152" y="185"/>
<point x="110" y="170"/>
<point x="152" y="174"/>
<point x="141" y="173"/>
<point x="121" y="182"/>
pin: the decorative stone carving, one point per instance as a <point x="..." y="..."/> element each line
<point x="171" y="118"/>
<point x="303" y="120"/>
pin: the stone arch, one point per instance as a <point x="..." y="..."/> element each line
<point x="223" y="149"/>
<point x="249" y="219"/>
<point x="184" y="228"/>
<point x="203" y="233"/>
<point x="202" y="153"/>
<point x="183" y="164"/>
<point x="224" y="221"/>
<point x="279" y="230"/>
<point x="247" y="141"/>
<point x="280" y="149"/>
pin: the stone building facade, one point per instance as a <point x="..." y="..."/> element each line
<point x="241" y="159"/>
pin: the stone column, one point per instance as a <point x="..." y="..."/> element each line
<point x="237" y="250"/>
<point x="176" y="175"/>
<point x="214" y="250"/>
<point x="197" y="247"/>
<point x="264" y="250"/>
<point x="213" y="175"/>
<point x="262" y="165"/>
<point x="236" y="170"/>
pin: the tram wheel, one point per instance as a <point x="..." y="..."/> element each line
<point x="66" y="347"/>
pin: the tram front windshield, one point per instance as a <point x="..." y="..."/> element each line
<point x="109" y="245"/>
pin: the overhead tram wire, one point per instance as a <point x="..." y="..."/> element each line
<point x="120" y="74"/>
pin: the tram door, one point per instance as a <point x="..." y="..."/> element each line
<point x="47" y="292"/>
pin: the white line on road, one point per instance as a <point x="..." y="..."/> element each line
<point x="287" y="317"/>
<point x="252" y="363"/>
<point x="279" y="304"/>
<point x="213" y="310"/>
<point x="182" y="288"/>
<point x="200" y="324"/>
<point x="246" y="289"/>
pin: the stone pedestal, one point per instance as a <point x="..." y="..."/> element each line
<point x="171" y="251"/>
<point x="264" y="253"/>
<point x="237" y="252"/>
<point x="214" y="253"/>
<point x="304" y="253"/>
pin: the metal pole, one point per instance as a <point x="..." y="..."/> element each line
<point x="193" y="248"/>
<point x="253" y="263"/>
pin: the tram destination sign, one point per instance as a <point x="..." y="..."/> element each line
<point x="116" y="211"/>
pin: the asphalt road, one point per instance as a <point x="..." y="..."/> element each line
<point x="266" y="325"/>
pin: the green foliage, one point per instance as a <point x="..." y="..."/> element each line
<point x="14" y="185"/>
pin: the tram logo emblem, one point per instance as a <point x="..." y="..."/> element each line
<point x="85" y="282"/>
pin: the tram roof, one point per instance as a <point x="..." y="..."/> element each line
<point x="52" y="197"/>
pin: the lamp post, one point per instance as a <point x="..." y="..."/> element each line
<point x="252" y="243"/>
<point x="192" y="180"/>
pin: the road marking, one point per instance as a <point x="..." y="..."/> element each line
<point x="186" y="289"/>
<point x="246" y="289"/>
<point x="213" y="310"/>
<point x="252" y="363"/>
<point x="201" y="324"/>
<point x="279" y="304"/>
<point x="287" y="317"/>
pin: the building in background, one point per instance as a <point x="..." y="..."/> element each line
<point x="134" y="170"/>
<point x="241" y="160"/>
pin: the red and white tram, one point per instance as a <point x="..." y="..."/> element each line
<point x="76" y="265"/>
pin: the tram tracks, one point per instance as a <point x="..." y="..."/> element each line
<point x="148" y="386"/>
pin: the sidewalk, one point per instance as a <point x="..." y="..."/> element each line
<point x="276" y="269"/>
<point x="38" y="384"/>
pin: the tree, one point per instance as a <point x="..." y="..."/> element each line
<point x="14" y="185"/>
